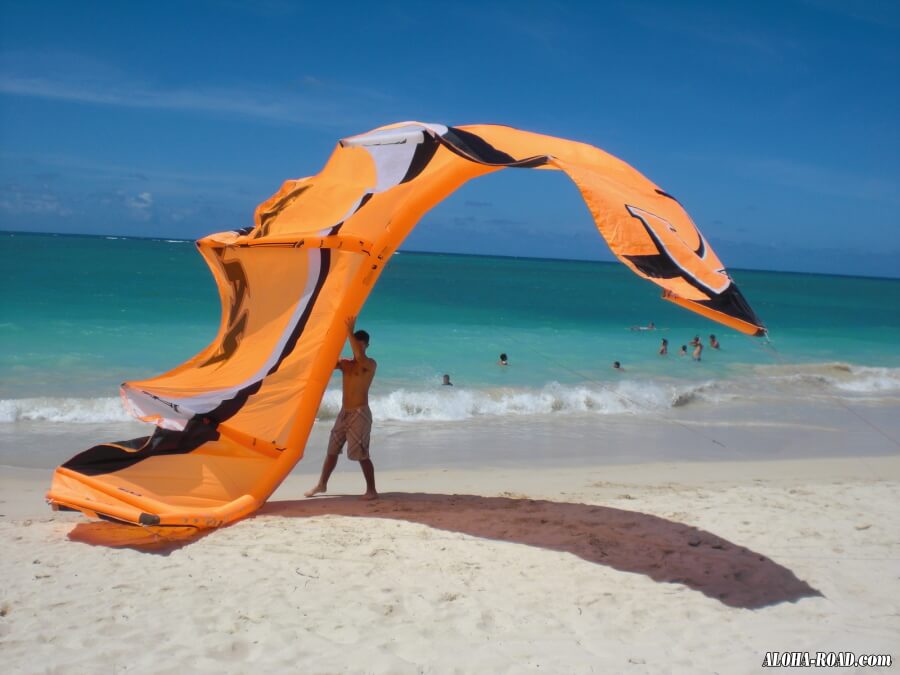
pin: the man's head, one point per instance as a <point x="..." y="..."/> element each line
<point x="362" y="336"/>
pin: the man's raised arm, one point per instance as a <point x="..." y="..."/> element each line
<point x="355" y="344"/>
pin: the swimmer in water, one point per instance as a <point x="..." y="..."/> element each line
<point x="698" y="348"/>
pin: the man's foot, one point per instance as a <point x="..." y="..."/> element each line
<point x="369" y="496"/>
<point x="316" y="490"/>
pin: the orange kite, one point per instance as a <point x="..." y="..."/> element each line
<point x="234" y="420"/>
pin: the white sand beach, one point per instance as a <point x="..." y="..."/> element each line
<point x="687" y="567"/>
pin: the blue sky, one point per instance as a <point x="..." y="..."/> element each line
<point x="774" y="123"/>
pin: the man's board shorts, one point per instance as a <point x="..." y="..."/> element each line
<point x="353" y="426"/>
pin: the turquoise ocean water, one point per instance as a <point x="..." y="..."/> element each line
<point x="81" y="314"/>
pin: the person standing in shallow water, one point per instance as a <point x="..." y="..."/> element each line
<point x="664" y="347"/>
<point x="353" y="425"/>
<point x="698" y="348"/>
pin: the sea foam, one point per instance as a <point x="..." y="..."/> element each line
<point x="67" y="410"/>
<point x="625" y="397"/>
<point x="457" y="404"/>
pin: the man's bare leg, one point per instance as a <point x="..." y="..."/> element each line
<point x="327" y="467"/>
<point x="368" y="470"/>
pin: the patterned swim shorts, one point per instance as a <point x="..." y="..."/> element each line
<point x="353" y="427"/>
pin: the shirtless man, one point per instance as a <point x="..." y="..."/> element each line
<point x="354" y="423"/>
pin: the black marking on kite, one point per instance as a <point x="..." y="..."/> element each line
<point x="112" y="519"/>
<point x="265" y="220"/>
<point x="474" y="148"/>
<point x="362" y="202"/>
<point x="733" y="303"/>
<point x="701" y="250"/>
<point x="267" y="244"/>
<point x="244" y="230"/>
<point x="730" y="301"/>
<point x="664" y="266"/>
<point x="201" y="428"/>
<point x="365" y="200"/>
<point x="173" y="406"/>
<point x="659" y="266"/>
<point x="234" y="272"/>
<point x="230" y="341"/>
<point x="109" y="457"/>
<point x="229" y="407"/>
<point x="666" y="194"/>
<point x="421" y="157"/>
<point x="237" y="314"/>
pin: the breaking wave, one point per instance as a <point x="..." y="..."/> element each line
<point x="837" y="376"/>
<point x="67" y="410"/>
<point x="629" y="397"/>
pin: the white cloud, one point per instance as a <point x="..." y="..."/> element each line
<point x="19" y="200"/>
<point x="141" y="201"/>
<point x="80" y="80"/>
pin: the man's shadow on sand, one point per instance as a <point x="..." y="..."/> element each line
<point x="663" y="550"/>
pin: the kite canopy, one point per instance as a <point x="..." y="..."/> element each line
<point x="233" y="420"/>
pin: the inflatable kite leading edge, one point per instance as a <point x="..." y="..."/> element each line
<point x="233" y="420"/>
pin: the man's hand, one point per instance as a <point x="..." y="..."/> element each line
<point x="351" y="325"/>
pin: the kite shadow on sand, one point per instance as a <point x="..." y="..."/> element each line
<point x="629" y="541"/>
